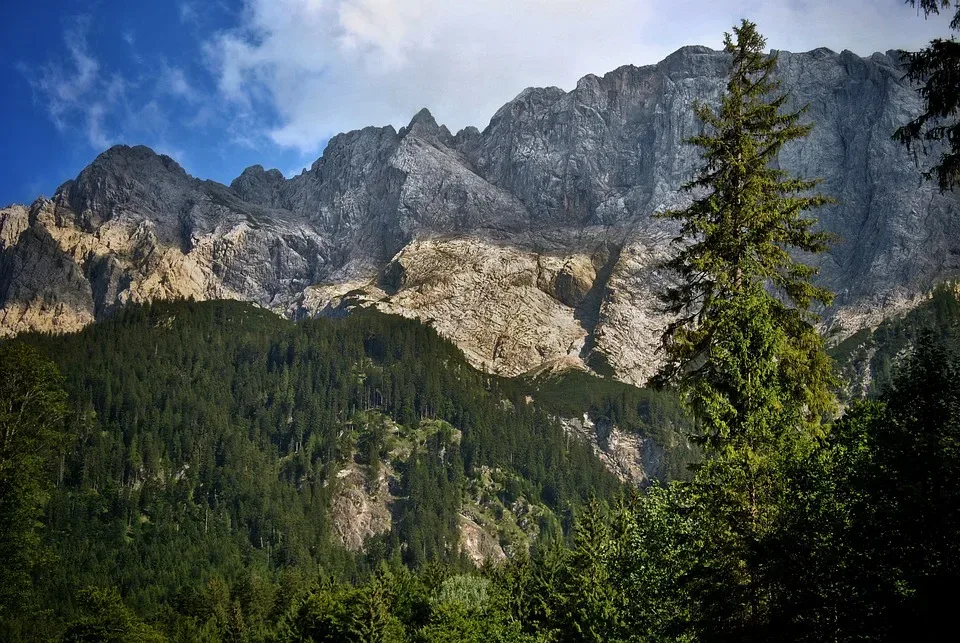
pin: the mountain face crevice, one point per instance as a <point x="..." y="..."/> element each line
<point x="530" y="243"/>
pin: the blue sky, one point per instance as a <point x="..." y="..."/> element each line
<point x="78" y="77"/>
<point x="224" y="84"/>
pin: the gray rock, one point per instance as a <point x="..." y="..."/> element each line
<point x="544" y="217"/>
<point x="261" y="187"/>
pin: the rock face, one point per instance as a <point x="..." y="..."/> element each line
<point x="360" y="508"/>
<point x="529" y="243"/>
<point x="633" y="459"/>
<point x="134" y="226"/>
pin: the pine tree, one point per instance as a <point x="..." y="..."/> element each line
<point x="936" y="69"/>
<point x="33" y="407"/>
<point x="592" y="604"/>
<point x="743" y="351"/>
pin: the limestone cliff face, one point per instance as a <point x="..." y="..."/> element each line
<point x="529" y="243"/>
<point x="635" y="460"/>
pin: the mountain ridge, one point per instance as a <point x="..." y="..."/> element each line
<point x="529" y="242"/>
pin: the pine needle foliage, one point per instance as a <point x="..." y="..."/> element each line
<point x="936" y="71"/>
<point x="742" y="304"/>
<point x="742" y="348"/>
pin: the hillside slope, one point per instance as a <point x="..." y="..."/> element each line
<point x="211" y="438"/>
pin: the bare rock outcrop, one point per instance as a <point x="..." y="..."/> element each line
<point x="134" y="227"/>
<point x="358" y="509"/>
<point x="632" y="458"/>
<point x="478" y="544"/>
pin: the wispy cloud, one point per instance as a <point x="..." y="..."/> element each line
<point x="79" y="93"/>
<point x="172" y="81"/>
<point x="290" y="74"/>
<point x="65" y="86"/>
<point x="188" y="13"/>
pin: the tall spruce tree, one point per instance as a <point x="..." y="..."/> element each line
<point x="743" y="350"/>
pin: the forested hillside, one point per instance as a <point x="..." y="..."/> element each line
<point x="867" y="360"/>
<point x="211" y="472"/>
<point x="208" y="441"/>
<point x="189" y="498"/>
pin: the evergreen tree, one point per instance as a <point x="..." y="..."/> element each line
<point x="373" y="622"/>
<point x="202" y="466"/>
<point x="592" y="603"/>
<point x="33" y="406"/>
<point x="742" y="349"/>
<point x="105" y="619"/>
<point x="655" y="536"/>
<point x="871" y="550"/>
<point x="936" y="68"/>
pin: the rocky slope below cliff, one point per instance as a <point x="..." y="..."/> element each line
<point x="529" y="243"/>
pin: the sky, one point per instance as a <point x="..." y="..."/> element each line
<point x="223" y="84"/>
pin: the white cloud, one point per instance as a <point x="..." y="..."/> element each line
<point x="73" y="90"/>
<point x="172" y="80"/>
<point x="325" y="66"/>
<point x="328" y="66"/>
<point x="188" y="13"/>
<point x="79" y="94"/>
<point x="64" y="85"/>
<point x="96" y="136"/>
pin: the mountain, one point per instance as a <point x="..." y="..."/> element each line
<point x="530" y="244"/>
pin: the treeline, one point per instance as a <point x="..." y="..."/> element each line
<point x="173" y="485"/>
<point x="865" y="545"/>
<point x="204" y="441"/>
<point x="648" y="412"/>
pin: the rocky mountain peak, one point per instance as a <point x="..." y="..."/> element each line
<point x="466" y="136"/>
<point x="530" y="100"/>
<point x="529" y="242"/>
<point x="259" y="186"/>
<point x="425" y="126"/>
<point x="820" y="53"/>
<point x="138" y="162"/>
<point x="124" y="177"/>
<point x="257" y="171"/>
<point x="694" y="60"/>
<point x="423" y="119"/>
<point x="122" y="157"/>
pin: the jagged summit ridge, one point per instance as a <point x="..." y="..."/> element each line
<point x="528" y="242"/>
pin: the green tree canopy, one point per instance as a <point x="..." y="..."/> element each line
<point x="105" y="619"/>
<point x="32" y="409"/>
<point x="742" y="344"/>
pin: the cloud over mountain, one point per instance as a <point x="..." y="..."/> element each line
<point x="319" y="67"/>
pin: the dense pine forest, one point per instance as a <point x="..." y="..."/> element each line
<point x="203" y="443"/>
<point x="192" y="453"/>
<point x="210" y="472"/>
